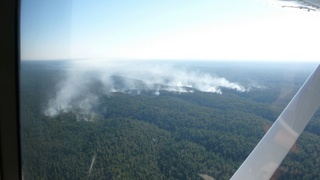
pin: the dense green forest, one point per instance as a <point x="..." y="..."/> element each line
<point x="166" y="136"/>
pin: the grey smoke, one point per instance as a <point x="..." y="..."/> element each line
<point x="77" y="92"/>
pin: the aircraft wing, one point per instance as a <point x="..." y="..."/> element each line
<point x="309" y="5"/>
<point x="274" y="146"/>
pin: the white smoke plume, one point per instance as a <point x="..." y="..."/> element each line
<point x="87" y="80"/>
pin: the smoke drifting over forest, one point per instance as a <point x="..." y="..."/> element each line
<point x="86" y="81"/>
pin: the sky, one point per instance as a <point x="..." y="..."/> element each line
<point x="248" y="30"/>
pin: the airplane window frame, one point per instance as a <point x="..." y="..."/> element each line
<point x="10" y="156"/>
<point x="10" y="160"/>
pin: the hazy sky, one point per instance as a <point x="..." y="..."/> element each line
<point x="167" y="29"/>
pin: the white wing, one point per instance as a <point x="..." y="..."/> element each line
<point x="274" y="146"/>
<point x="309" y="5"/>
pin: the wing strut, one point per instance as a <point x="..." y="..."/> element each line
<point x="274" y="146"/>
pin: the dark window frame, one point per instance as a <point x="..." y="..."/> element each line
<point x="10" y="158"/>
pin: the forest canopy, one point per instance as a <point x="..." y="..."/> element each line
<point x="158" y="133"/>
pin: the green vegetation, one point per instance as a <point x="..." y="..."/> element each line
<point x="143" y="136"/>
